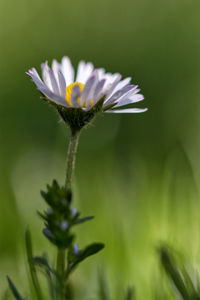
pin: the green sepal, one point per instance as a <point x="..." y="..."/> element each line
<point x="109" y="106"/>
<point x="77" y="118"/>
<point x="14" y="290"/>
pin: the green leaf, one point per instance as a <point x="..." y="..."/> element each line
<point x="90" y="250"/>
<point x="83" y="254"/>
<point x="82" y="220"/>
<point x="14" y="290"/>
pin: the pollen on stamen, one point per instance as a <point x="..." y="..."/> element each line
<point x="69" y="89"/>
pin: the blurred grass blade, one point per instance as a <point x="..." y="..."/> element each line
<point x="188" y="281"/>
<point x="172" y="271"/>
<point x="103" y="288"/>
<point x="130" y="295"/>
<point x="14" y="290"/>
<point x="31" y="265"/>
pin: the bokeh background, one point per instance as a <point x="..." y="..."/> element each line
<point x="138" y="174"/>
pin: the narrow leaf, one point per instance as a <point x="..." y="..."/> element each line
<point x="32" y="269"/>
<point x="81" y="220"/>
<point x="14" y="290"/>
<point x="83" y="254"/>
<point x="172" y="271"/>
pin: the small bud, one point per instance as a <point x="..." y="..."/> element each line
<point x="48" y="233"/>
<point x="49" y="211"/>
<point x="74" y="212"/>
<point x="64" y="225"/>
<point x="75" y="248"/>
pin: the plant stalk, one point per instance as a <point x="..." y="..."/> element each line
<point x="71" y="157"/>
<point x="70" y="164"/>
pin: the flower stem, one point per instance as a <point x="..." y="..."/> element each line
<point x="70" y="164"/>
<point x="61" y="261"/>
<point x="61" y="271"/>
<point x="71" y="157"/>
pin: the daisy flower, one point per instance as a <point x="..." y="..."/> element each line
<point x="85" y="89"/>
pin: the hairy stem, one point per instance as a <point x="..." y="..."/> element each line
<point x="71" y="157"/>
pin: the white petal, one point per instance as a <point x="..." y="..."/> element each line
<point x="122" y="84"/>
<point x="126" y="111"/>
<point x="101" y="72"/>
<point x="45" y="75"/>
<point x="118" y="95"/>
<point x="67" y="70"/>
<point x="80" y="71"/>
<point x="56" y="68"/>
<point x="87" y="72"/>
<point x="75" y="95"/>
<point x="112" y="87"/>
<point x="126" y="101"/>
<point x="84" y="71"/>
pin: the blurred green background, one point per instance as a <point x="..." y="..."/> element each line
<point x="138" y="174"/>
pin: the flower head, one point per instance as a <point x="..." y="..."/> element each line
<point x="88" y="89"/>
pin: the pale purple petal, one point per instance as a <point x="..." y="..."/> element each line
<point x="54" y="83"/>
<point x="99" y="91"/>
<point x="36" y="78"/>
<point x="127" y="111"/>
<point x="126" y="101"/>
<point x="75" y="95"/>
<point x="87" y="89"/>
<point x="122" y="84"/>
<point x="53" y="97"/>
<point x="62" y="84"/>
<point x="91" y="94"/>
<point x="45" y="90"/>
<point x="116" y="97"/>
<point x="112" y="87"/>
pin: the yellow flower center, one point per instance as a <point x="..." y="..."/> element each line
<point x="69" y="91"/>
